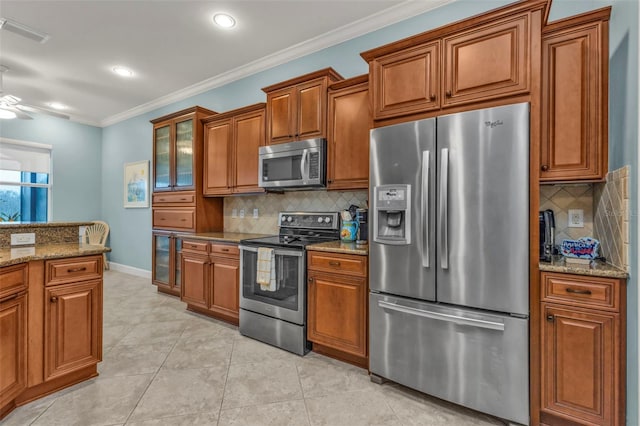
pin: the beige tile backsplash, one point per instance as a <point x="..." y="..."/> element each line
<point x="606" y="213"/>
<point x="270" y="204"/>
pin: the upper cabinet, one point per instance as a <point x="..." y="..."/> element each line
<point x="481" y="59"/>
<point x="231" y="147"/>
<point x="297" y="108"/>
<point x="575" y="55"/>
<point x="348" y="134"/>
<point x="176" y="139"/>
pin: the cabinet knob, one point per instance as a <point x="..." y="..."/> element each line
<point x="550" y="318"/>
<point x="448" y="93"/>
<point x="310" y="279"/>
<point x="544" y="167"/>
<point x="432" y="97"/>
<point x="53" y="299"/>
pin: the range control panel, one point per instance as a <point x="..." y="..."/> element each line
<point x="313" y="220"/>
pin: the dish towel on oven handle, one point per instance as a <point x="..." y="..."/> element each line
<point x="266" y="275"/>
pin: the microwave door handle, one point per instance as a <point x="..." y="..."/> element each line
<point x="304" y="165"/>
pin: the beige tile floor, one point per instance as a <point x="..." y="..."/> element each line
<point x="163" y="366"/>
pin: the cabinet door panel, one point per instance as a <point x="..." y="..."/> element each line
<point x="487" y="62"/>
<point x="217" y="154"/>
<point x="406" y="82"/>
<point x="578" y="364"/>
<point x="13" y="348"/>
<point x="195" y="270"/>
<point x="312" y="107"/>
<point x="337" y="312"/>
<point x="225" y="291"/>
<point x="572" y="128"/>
<point x="249" y="136"/>
<point x="73" y="327"/>
<point x="281" y="115"/>
<point x="349" y="122"/>
<point x="184" y="158"/>
<point x="162" y="158"/>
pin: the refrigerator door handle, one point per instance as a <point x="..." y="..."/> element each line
<point x="424" y="207"/>
<point x="443" y="211"/>
<point x="492" y="325"/>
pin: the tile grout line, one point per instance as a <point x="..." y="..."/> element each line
<point x="226" y="378"/>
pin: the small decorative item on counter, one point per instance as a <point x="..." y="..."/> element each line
<point x="345" y="215"/>
<point x="582" y="250"/>
<point x="349" y="230"/>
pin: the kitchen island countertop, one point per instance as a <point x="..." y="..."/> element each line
<point x="338" y="246"/>
<point x="15" y="255"/>
<point x="596" y="268"/>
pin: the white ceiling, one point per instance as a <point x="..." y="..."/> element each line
<point x="171" y="45"/>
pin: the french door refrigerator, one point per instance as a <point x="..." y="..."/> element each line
<point x="449" y="258"/>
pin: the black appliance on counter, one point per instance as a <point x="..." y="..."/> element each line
<point x="547" y="234"/>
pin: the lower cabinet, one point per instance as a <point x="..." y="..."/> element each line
<point x="13" y="347"/>
<point x="337" y="307"/>
<point x="211" y="279"/>
<point x="166" y="249"/>
<point x="72" y="327"/>
<point x="583" y="350"/>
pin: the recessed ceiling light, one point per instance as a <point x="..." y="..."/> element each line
<point x="122" y="71"/>
<point x="224" y="20"/>
<point x="7" y="115"/>
<point x="57" y="105"/>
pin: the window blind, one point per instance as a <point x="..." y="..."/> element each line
<point x="25" y="157"/>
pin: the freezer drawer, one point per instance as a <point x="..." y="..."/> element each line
<point x="464" y="356"/>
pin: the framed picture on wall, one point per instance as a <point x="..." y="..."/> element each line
<point x="136" y="184"/>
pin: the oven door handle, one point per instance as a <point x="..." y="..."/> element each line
<point x="276" y="251"/>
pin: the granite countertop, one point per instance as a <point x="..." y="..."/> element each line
<point x="596" y="268"/>
<point x="42" y="224"/>
<point x="229" y="237"/>
<point x="340" y="247"/>
<point x="12" y="256"/>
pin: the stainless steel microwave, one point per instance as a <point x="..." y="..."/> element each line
<point x="295" y="165"/>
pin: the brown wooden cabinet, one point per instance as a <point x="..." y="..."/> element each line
<point x="166" y="250"/>
<point x="582" y="347"/>
<point x="478" y="60"/>
<point x="348" y="134"/>
<point x="13" y="334"/>
<point x="211" y="279"/>
<point x="231" y="147"/>
<point x="575" y="59"/>
<point x="297" y="108"/>
<point x="337" y="306"/>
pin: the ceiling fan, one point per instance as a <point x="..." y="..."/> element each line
<point x="10" y="106"/>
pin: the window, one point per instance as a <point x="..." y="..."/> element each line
<point x="25" y="181"/>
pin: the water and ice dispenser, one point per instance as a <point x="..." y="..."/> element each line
<point x="392" y="214"/>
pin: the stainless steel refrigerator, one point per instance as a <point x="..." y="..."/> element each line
<point x="449" y="258"/>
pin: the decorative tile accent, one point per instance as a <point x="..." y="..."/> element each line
<point x="561" y="198"/>
<point x="611" y="221"/>
<point x="270" y="204"/>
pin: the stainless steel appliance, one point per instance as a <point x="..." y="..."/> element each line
<point x="547" y="234"/>
<point x="449" y="258"/>
<point x="279" y="317"/>
<point x="296" y="165"/>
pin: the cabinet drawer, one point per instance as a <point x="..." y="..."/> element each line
<point x="339" y="263"/>
<point x="179" y="198"/>
<point x="201" y="246"/>
<point x="225" y="250"/>
<point x="13" y="279"/>
<point x="585" y="291"/>
<point x="174" y="218"/>
<point x="74" y="269"/>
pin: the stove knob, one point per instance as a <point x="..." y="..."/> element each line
<point x="327" y="219"/>
<point x="284" y="219"/>
<point x="289" y="219"/>
<point x="319" y="219"/>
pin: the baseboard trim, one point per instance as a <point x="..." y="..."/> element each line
<point x="130" y="270"/>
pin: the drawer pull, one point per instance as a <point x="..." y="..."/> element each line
<point x="183" y="199"/>
<point x="334" y="263"/>
<point x="224" y="249"/>
<point x="13" y="296"/>
<point x="84" y="268"/>
<point x="183" y="220"/>
<point x="577" y="291"/>
<point x="53" y="299"/>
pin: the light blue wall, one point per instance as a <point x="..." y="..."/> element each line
<point x="76" y="159"/>
<point x="77" y="194"/>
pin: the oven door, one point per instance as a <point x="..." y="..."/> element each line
<point x="288" y="301"/>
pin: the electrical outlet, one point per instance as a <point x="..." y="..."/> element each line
<point x="255" y="213"/>
<point x="234" y="213"/>
<point x="241" y="213"/>
<point x="576" y="218"/>
<point x="23" y="239"/>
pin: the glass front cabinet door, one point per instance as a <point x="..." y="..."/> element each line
<point x="166" y="262"/>
<point x="173" y="153"/>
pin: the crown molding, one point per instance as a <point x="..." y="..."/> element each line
<point x="384" y="18"/>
